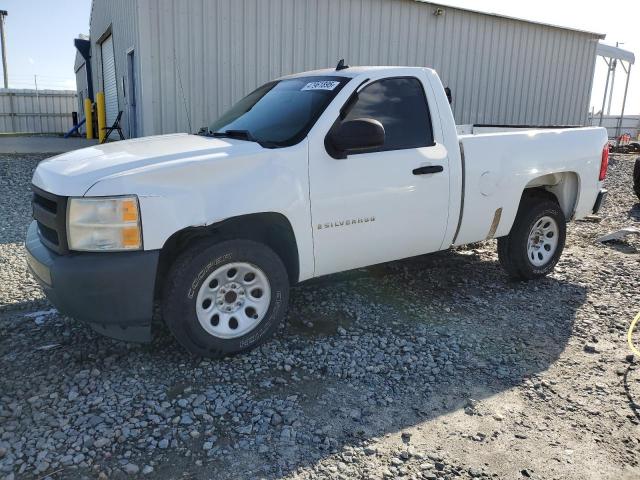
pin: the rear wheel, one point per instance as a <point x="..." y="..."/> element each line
<point x="226" y="297"/>
<point x="534" y="245"/>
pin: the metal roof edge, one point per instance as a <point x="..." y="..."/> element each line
<point x="601" y="36"/>
<point x="610" y="51"/>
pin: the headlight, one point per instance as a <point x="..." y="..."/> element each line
<point x="104" y="223"/>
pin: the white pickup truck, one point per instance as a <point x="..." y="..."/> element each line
<point x="308" y="175"/>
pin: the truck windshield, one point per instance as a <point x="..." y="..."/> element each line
<point x="281" y="113"/>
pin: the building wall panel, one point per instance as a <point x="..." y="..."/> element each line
<point x="82" y="88"/>
<point x="120" y="17"/>
<point x="206" y="54"/>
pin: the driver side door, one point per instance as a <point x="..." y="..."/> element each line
<point x="383" y="203"/>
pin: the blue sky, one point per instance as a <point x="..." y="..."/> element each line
<point x="40" y="36"/>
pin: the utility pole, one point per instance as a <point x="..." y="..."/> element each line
<point x="3" y="13"/>
<point x="35" y="80"/>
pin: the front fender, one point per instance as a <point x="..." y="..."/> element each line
<point x="200" y="192"/>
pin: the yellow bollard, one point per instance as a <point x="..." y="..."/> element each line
<point x="88" y="115"/>
<point x="102" y="116"/>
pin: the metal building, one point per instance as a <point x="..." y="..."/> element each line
<point x="82" y="67"/>
<point x="172" y="65"/>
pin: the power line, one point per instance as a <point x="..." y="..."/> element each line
<point x="59" y="79"/>
<point x="24" y="75"/>
<point x="32" y="82"/>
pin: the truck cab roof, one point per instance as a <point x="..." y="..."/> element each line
<point x="352" y="72"/>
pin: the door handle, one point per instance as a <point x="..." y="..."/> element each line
<point x="429" y="169"/>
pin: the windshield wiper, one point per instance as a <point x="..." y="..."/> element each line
<point x="242" y="135"/>
<point x="239" y="134"/>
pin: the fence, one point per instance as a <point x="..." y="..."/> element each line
<point x="36" y="111"/>
<point x="616" y="126"/>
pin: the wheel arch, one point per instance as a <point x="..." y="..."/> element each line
<point x="271" y="228"/>
<point x="563" y="187"/>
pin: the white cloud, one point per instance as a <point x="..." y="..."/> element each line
<point x="31" y="61"/>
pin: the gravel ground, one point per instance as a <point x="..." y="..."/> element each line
<point x="433" y="367"/>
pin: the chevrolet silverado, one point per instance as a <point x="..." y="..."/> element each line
<point x="308" y="175"/>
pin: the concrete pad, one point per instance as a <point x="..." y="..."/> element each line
<point x="53" y="145"/>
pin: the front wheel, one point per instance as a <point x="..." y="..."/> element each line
<point x="534" y="245"/>
<point x="225" y="298"/>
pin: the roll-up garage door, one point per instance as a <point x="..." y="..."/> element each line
<point x="109" y="81"/>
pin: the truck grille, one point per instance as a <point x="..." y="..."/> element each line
<point x="50" y="212"/>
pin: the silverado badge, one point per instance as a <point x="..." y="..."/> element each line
<point x="345" y="223"/>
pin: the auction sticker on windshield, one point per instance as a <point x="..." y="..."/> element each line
<point x="328" y="85"/>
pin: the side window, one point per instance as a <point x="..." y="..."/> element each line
<point x="401" y="106"/>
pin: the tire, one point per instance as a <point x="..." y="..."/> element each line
<point x="200" y="279"/>
<point x="636" y="178"/>
<point x="516" y="257"/>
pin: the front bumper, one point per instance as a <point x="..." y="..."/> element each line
<point x="112" y="291"/>
<point x="602" y="196"/>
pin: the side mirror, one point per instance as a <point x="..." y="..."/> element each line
<point x="359" y="134"/>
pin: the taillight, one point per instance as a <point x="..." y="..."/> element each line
<point x="604" y="164"/>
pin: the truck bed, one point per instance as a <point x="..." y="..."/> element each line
<point x="480" y="128"/>
<point x="499" y="165"/>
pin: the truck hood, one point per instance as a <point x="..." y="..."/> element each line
<point x="74" y="173"/>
